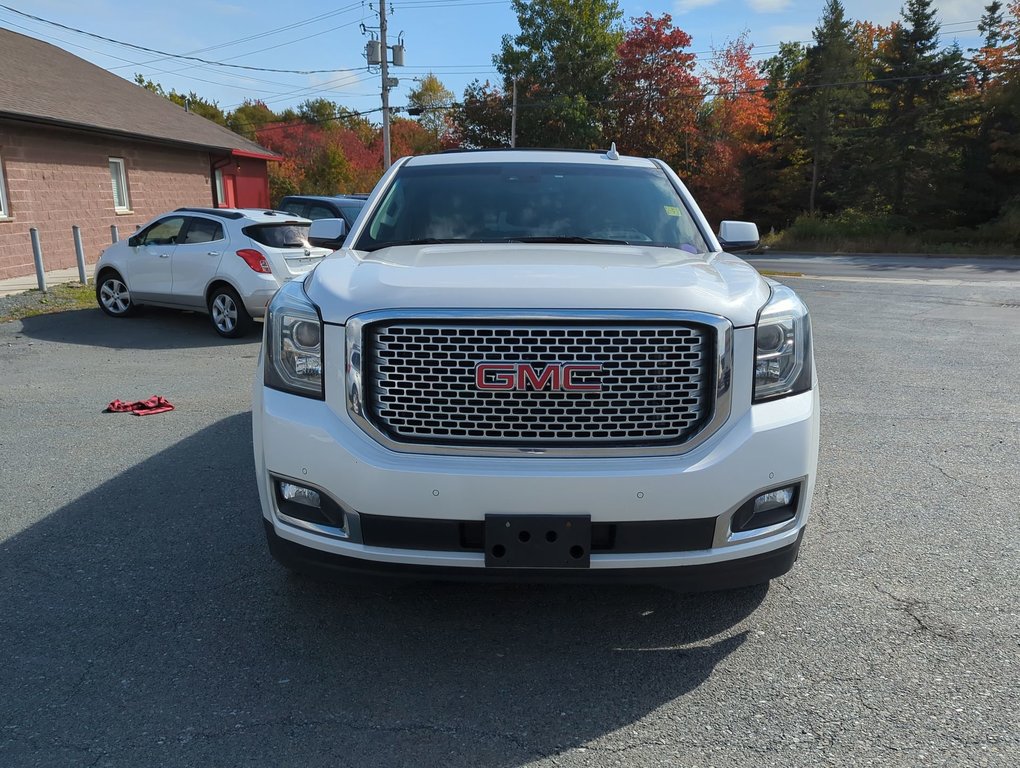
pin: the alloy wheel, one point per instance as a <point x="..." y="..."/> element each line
<point x="224" y="313"/>
<point x="115" y="296"/>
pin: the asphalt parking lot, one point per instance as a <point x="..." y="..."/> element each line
<point x="143" y="622"/>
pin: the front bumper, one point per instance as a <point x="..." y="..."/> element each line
<point x="745" y="572"/>
<point x="759" y="448"/>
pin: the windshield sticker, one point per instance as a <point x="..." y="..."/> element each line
<point x="671" y="210"/>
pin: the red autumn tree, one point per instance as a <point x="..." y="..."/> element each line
<point x="735" y="125"/>
<point x="656" y="93"/>
<point x="409" y="137"/>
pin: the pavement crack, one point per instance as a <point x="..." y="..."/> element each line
<point x="955" y="479"/>
<point x="910" y="606"/>
<point x="90" y="664"/>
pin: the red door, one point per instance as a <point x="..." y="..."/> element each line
<point x="230" y="190"/>
<point x="225" y="187"/>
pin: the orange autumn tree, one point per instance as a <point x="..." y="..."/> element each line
<point x="656" y="93"/>
<point x="312" y="161"/>
<point x="735" y="125"/>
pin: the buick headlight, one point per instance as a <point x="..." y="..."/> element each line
<point x="293" y="351"/>
<point x="782" y="364"/>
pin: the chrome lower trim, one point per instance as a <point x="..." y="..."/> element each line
<point x="352" y="531"/>
<point x="355" y="328"/>
<point x="725" y="537"/>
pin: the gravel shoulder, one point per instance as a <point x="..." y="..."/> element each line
<point x="59" y="298"/>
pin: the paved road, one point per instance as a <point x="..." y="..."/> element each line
<point x="143" y="623"/>
<point x="894" y="268"/>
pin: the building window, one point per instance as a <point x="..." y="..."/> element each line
<point x="5" y="208"/>
<point x="118" y="177"/>
<point x="220" y="202"/>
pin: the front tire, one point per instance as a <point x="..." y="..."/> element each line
<point x="113" y="296"/>
<point x="229" y="317"/>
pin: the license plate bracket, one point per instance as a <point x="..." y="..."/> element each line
<point x="537" y="541"/>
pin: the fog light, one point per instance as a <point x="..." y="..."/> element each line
<point x="298" y="502"/>
<point x="773" y="500"/>
<point x="769" y="508"/>
<point x="300" y="495"/>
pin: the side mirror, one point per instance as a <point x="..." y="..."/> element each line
<point x="327" y="233"/>
<point x="134" y="241"/>
<point x="736" y="236"/>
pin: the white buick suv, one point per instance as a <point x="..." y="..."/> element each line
<point x="224" y="261"/>
<point x="537" y="365"/>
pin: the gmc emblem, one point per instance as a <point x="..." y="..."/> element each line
<point x="556" y="377"/>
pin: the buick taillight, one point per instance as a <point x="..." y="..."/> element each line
<point x="255" y="260"/>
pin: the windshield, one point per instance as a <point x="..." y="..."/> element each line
<point x="531" y="202"/>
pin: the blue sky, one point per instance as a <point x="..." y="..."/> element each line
<point x="455" y="39"/>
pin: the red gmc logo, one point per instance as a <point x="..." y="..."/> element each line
<point x="556" y="377"/>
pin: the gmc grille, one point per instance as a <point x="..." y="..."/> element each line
<point x="657" y="383"/>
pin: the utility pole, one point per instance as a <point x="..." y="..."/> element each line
<point x="513" y="118"/>
<point x="378" y="53"/>
<point x="385" y="86"/>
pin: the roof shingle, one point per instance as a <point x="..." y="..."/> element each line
<point x="43" y="82"/>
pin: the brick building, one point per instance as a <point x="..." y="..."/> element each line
<point x="79" y="145"/>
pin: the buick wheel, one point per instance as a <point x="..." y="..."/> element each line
<point x="229" y="317"/>
<point x="113" y="295"/>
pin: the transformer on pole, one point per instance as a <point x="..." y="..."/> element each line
<point x="377" y="53"/>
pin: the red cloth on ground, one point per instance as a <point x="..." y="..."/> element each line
<point x="155" y="404"/>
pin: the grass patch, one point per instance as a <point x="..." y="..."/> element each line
<point x="59" y="298"/>
<point x="853" y="231"/>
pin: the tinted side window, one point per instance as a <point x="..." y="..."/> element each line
<point x="203" y="231"/>
<point x="294" y="206"/>
<point x="279" y="235"/>
<point x="163" y="232"/>
<point x="350" y="211"/>
<point x="320" y="212"/>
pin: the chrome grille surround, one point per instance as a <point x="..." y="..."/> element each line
<point x="679" y="419"/>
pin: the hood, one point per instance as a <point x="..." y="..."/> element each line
<point x="525" y="276"/>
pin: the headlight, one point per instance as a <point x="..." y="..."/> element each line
<point x="293" y="351"/>
<point x="783" y="364"/>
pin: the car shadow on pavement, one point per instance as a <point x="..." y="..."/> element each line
<point x="151" y="328"/>
<point x="144" y="624"/>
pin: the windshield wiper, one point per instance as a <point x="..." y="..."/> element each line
<point x="569" y="239"/>
<point x="421" y="241"/>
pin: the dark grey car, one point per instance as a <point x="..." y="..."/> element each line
<point x="346" y="207"/>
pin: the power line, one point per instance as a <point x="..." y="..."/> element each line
<point x="280" y="45"/>
<point x="267" y="33"/>
<point x="165" y="53"/>
<point x="708" y="93"/>
<point x="411" y="5"/>
<point x="311" y="90"/>
<point x="275" y="125"/>
<point x="161" y="71"/>
<point x="305" y="90"/>
<point x="703" y="55"/>
<point x="616" y="100"/>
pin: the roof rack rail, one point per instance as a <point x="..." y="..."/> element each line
<point x="523" y="149"/>
<point x="212" y="212"/>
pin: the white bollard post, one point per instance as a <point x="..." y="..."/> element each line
<point x="79" y="252"/>
<point x="40" y="273"/>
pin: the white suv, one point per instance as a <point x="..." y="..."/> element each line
<point x="537" y="365"/>
<point x="227" y="262"/>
